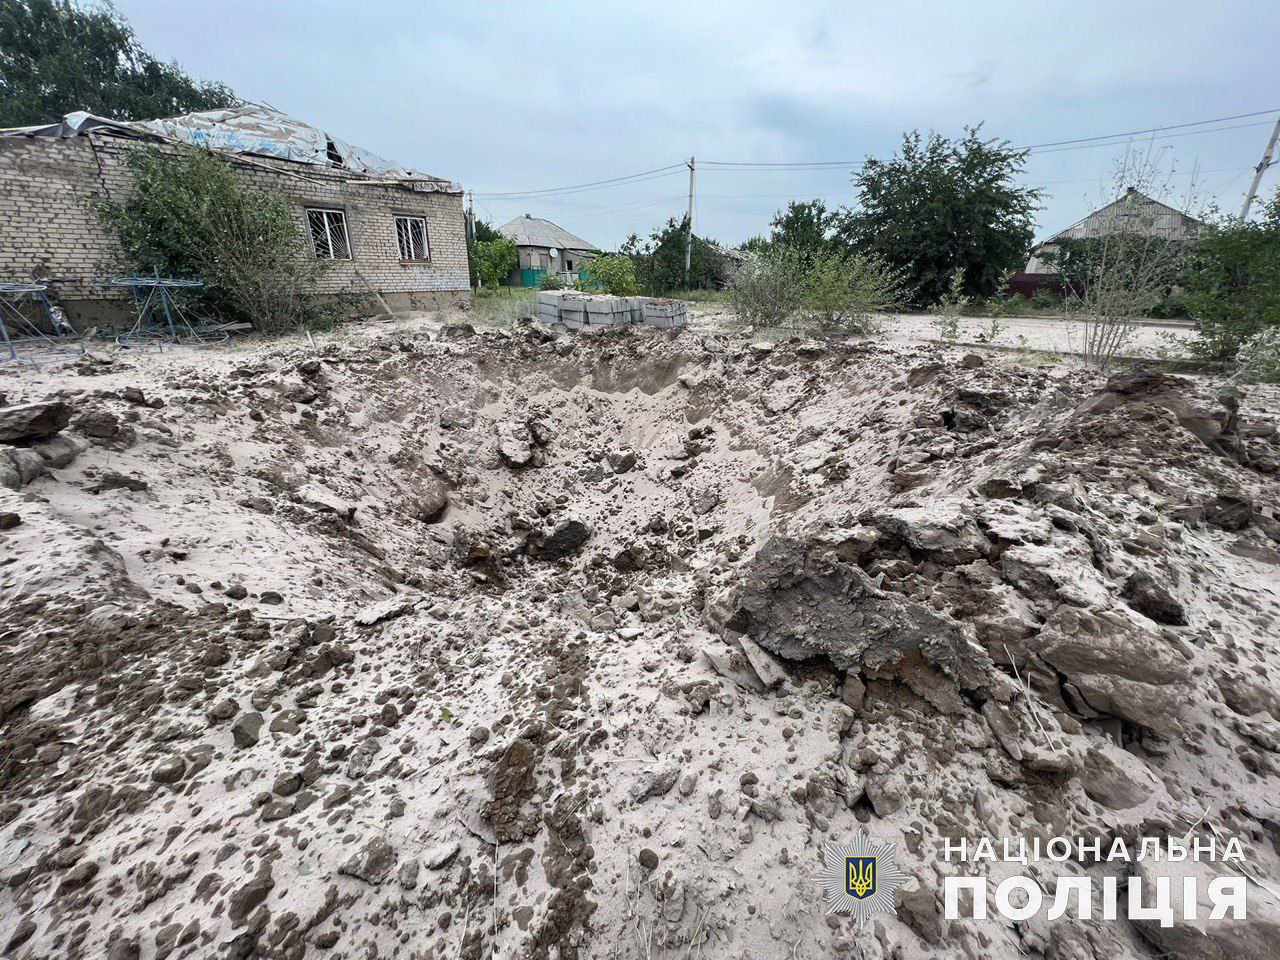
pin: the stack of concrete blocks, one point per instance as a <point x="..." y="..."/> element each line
<point x="664" y="314"/>
<point x="577" y="310"/>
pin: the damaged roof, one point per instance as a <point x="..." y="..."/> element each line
<point x="252" y="129"/>
<point x="531" y="231"/>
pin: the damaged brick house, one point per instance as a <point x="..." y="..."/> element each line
<point x="379" y="226"/>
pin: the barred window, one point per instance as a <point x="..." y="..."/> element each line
<point x="329" y="234"/>
<point x="411" y="233"/>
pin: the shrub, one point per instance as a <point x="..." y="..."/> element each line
<point x="659" y="261"/>
<point x="615" y="274"/>
<point x="1232" y="289"/>
<point x="830" y="293"/>
<point x="949" y="307"/>
<point x="191" y="216"/>
<point x="494" y="260"/>
<point x="552" y="281"/>
<point x="1259" y="357"/>
<point x="765" y="289"/>
<point x="1045" y="299"/>
<point x="840" y="294"/>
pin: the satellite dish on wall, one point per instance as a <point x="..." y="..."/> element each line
<point x="554" y="253"/>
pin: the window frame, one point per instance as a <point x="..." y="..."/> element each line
<point x="326" y="213"/>
<point x="410" y="218"/>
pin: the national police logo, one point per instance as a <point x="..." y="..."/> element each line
<point x="860" y="877"/>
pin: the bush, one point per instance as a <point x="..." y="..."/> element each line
<point x="949" y="307"/>
<point x="829" y="293"/>
<point x="494" y="260"/>
<point x="1045" y="299"/>
<point x="840" y="294"/>
<point x="765" y="290"/>
<point x="1232" y="288"/>
<point x="1259" y="357"/>
<point x="191" y="216"/>
<point x="552" y="281"/>
<point x="659" y="261"/>
<point x="615" y="274"/>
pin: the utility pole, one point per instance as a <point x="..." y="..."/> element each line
<point x="688" y="244"/>
<point x="1259" y="170"/>
<point x="471" y="230"/>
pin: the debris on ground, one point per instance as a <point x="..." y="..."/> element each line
<point x="434" y="642"/>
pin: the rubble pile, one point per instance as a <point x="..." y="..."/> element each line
<point x="432" y="641"/>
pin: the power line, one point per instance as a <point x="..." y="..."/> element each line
<point x="1138" y="133"/>
<point x="655" y="174"/>
<point x="1166" y="136"/>
<point x="1060" y="145"/>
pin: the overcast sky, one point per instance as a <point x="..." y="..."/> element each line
<point x="519" y="96"/>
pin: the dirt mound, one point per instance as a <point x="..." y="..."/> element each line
<point x="444" y="642"/>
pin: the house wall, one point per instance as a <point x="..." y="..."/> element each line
<point x="49" y="226"/>
<point x="535" y="261"/>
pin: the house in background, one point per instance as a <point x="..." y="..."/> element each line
<point x="376" y="225"/>
<point x="544" y="248"/>
<point x="1132" y="213"/>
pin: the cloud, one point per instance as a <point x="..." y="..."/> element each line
<point x="508" y="95"/>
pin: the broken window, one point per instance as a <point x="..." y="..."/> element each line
<point x="329" y="234"/>
<point x="411" y="234"/>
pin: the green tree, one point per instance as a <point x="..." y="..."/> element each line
<point x="494" y="260"/>
<point x="1232" y="288"/>
<point x="807" y="227"/>
<point x="614" y="273"/>
<point x="943" y="205"/>
<point x="190" y="215"/>
<point x="484" y="230"/>
<point x="57" y="56"/>
<point x="659" y="261"/>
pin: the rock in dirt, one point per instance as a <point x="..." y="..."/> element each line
<point x="372" y="863"/>
<point x="1117" y="784"/>
<point x="24" y="422"/>
<point x="1231" y="512"/>
<point x="515" y="444"/>
<point x="566" y="540"/>
<point x="431" y="500"/>
<point x="1117" y="667"/>
<point x="765" y="664"/>
<point x="9" y="520"/>
<point x="320" y="498"/>
<point x="114" y="480"/>
<point x="250" y="896"/>
<point x="1152" y="600"/>
<point x="388" y="609"/>
<point x="655" y="783"/>
<point x="247" y="729"/>
<point x="799" y="604"/>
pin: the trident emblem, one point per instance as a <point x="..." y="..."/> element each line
<point x="860" y="879"/>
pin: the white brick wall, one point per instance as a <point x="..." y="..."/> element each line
<point x="49" y="226"/>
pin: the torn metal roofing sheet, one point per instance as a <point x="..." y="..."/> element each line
<point x="531" y="231"/>
<point x="252" y="129"/>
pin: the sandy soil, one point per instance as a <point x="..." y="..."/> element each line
<point x="1036" y="334"/>
<point x="422" y="641"/>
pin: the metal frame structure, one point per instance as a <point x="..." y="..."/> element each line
<point x="161" y="317"/>
<point x="24" y="339"/>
